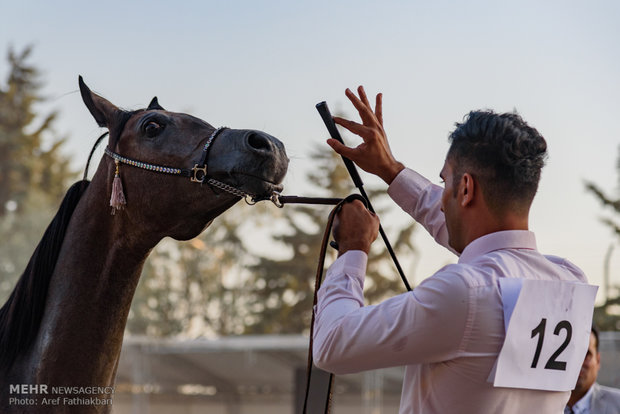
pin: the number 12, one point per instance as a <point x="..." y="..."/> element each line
<point x="552" y="363"/>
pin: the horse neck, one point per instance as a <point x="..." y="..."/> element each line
<point x="90" y="294"/>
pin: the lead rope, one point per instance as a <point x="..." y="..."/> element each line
<point x="317" y="284"/>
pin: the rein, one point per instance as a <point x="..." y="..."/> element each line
<point x="338" y="202"/>
<point x="317" y="284"/>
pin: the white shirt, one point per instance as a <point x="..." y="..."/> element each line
<point x="448" y="332"/>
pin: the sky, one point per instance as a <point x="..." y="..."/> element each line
<point x="265" y="64"/>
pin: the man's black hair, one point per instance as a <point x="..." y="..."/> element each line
<point x="503" y="153"/>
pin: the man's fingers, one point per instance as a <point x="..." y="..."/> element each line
<point x="356" y="208"/>
<point x="340" y="148"/>
<point x="358" y="204"/>
<point x="379" y="108"/>
<point x="362" y="93"/>
<point x="359" y="105"/>
<point x="362" y="108"/>
<point x="354" y="127"/>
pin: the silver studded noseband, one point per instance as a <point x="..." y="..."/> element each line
<point x="197" y="174"/>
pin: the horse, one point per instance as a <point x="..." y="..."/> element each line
<point x="165" y="174"/>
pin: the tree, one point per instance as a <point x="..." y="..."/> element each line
<point x="34" y="171"/>
<point x="197" y="287"/>
<point x="604" y="318"/>
<point x="282" y="299"/>
<point x="31" y="158"/>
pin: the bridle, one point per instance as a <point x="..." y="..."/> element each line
<point x="197" y="174"/>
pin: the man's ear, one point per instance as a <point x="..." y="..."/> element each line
<point x="467" y="186"/>
<point x="101" y="109"/>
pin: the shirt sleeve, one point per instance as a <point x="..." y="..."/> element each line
<point x="421" y="199"/>
<point x="427" y="325"/>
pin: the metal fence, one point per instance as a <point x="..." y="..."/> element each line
<point x="260" y="375"/>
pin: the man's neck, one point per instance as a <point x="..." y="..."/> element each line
<point x="490" y="224"/>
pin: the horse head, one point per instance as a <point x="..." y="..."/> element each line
<point x="173" y="174"/>
<point x="202" y="170"/>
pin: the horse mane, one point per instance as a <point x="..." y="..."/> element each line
<point x="21" y="315"/>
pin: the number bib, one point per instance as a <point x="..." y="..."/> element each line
<point x="547" y="333"/>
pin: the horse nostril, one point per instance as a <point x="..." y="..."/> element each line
<point x="259" y="142"/>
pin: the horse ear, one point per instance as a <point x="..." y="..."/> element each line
<point x="155" y="105"/>
<point x="102" y="110"/>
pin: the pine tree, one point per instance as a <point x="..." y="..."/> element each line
<point x="605" y="320"/>
<point x="31" y="158"/>
<point x="607" y="201"/>
<point x="282" y="300"/>
<point x="195" y="288"/>
<point x="34" y="172"/>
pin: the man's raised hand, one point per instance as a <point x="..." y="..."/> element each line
<point x="373" y="155"/>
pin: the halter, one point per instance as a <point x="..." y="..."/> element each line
<point x="197" y="174"/>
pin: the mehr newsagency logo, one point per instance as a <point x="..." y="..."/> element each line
<point x="44" y="395"/>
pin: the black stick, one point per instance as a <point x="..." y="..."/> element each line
<point x="335" y="134"/>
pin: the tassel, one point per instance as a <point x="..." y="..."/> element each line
<point x="117" y="200"/>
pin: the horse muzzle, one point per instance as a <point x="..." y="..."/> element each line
<point x="250" y="160"/>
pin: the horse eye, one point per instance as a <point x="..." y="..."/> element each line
<point x="152" y="129"/>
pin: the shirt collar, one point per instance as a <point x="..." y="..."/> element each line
<point x="508" y="239"/>
<point x="583" y="405"/>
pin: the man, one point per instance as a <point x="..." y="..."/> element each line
<point x="449" y="331"/>
<point x="588" y="397"/>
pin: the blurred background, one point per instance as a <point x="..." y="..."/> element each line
<point x="264" y="65"/>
